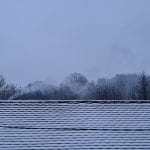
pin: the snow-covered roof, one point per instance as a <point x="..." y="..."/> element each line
<point x="32" y="125"/>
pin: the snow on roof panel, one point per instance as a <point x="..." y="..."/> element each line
<point x="33" y="126"/>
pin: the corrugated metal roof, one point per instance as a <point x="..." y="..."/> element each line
<point x="32" y="125"/>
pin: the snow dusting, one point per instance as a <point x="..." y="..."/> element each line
<point x="49" y="126"/>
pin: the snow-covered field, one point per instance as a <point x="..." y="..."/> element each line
<point x="50" y="126"/>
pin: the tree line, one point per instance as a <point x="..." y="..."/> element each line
<point x="77" y="86"/>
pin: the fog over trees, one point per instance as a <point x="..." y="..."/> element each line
<point x="7" y="90"/>
<point x="77" y="86"/>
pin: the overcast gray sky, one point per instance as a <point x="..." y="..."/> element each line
<point x="49" y="39"/>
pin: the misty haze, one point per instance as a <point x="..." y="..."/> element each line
<point x="74" y="74"/>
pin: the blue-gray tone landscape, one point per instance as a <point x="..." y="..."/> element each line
<point x="49" y="39"/>
<point x="74" y="74"/>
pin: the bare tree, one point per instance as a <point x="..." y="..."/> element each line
<point x="143" y="87"/>
<point x="2" y="81"/>
<point x="76" y="79"/>
<point x="107" y="90"/>
<point x="6" y="90"/>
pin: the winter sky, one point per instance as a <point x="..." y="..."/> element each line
<point x="49" y="39"/>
